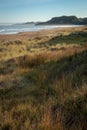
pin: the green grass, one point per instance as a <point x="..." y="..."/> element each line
<point x="73" y="38"/>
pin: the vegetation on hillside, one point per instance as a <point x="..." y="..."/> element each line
<point x="66" y="20"/>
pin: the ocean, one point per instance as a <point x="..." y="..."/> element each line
<point x="17" y="28"/>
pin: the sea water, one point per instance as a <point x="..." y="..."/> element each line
<point x="17" y="28"/>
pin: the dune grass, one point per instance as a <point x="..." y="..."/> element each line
<point x="48" y="96"/>
<point x="13" y="49"/>
<point x="47" y="91"/>
<point x="73" y="38"/>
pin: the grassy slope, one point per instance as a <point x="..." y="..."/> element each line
<point x="44" y="95"/>
<point x="73" y="38"/>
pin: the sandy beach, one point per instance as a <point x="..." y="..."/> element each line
<point x="41" y="33"/>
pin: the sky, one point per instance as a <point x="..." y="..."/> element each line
<point x="12" y="11"/>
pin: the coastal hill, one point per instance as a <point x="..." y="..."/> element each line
<point x="65" y="20"/>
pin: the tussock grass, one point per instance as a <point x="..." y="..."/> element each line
<point x="47" y="91"/>
<point x="48" y="97"/>
<point x="73" y="38"/>
<point x="36" y="45"/>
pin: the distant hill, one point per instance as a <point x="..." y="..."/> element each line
<point x="29" y="23"/>
<point x="65" y="20"/>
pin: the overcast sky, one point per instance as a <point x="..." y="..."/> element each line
<point x="40" y="10"/>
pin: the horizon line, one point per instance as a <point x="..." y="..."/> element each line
<point x="41" y="20"/>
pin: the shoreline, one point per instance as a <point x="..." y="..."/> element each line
<point x="44" y="32"/>
<point x="31" y="28"/>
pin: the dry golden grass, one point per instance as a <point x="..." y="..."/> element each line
<point x="34" y="93"/>
<point x="32" y="43"/>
